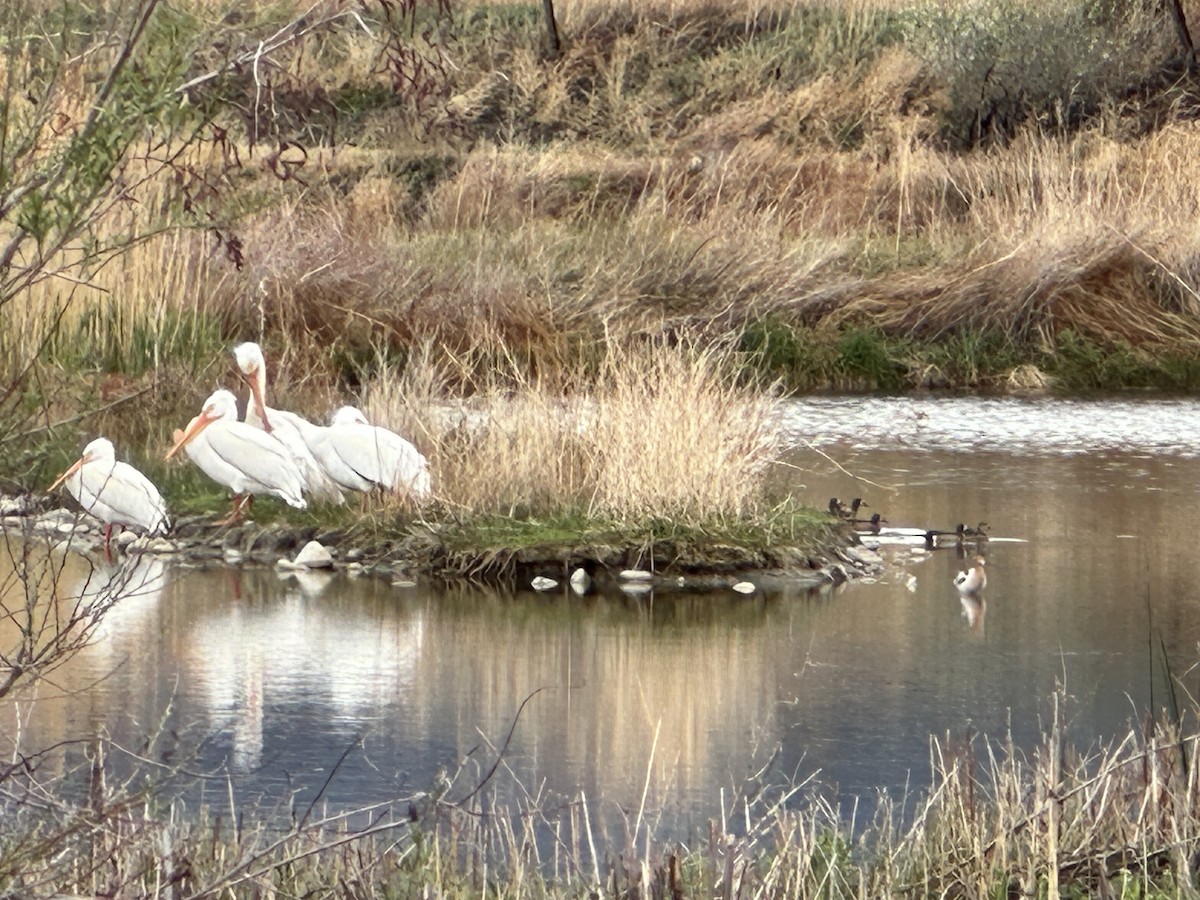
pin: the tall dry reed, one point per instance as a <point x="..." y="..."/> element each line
<point x="658" y="431"/>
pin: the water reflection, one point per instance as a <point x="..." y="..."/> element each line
<point x="974" y="611"/>
<point x="677" y="699"/>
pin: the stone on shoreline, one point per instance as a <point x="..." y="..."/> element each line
<point x="312" y="555"/>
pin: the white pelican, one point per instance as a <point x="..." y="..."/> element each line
<point x="245" y="459"/>
<point x="114" y="492"/>
<point x="973" y="580"/>
<point x="296" y="432"/>
<point x="361" y="456"/>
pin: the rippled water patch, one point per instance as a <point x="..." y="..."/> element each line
<point x="1002" y="424"/>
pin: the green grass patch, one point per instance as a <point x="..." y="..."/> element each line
<point x="1081" y="365"/>
<point x="496" y="544"/>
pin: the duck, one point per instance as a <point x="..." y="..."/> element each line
<point x="966" y="533"/>
<point x="973" y="580"/>
<point x="842" y="511"/>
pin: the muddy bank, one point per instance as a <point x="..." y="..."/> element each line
<point x="418" y="553"/>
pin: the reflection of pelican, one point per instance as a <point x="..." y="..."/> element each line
<point x="241" y="457"/>
<point x="296" y="432"/>
<point x="131" y="589"/>
<point x="973" y="580"/>
<point x="114" y="492"/>
<point x="974" y="610"/>
<point x="251" y="660"/>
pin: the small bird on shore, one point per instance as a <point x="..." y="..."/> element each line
<point x="241" y="457"/>
<point x="114" y="492"/>
<point x="972" y="581"/>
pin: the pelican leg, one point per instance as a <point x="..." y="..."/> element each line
<point x="107" y="538"/>
<point x="237" y="510"/>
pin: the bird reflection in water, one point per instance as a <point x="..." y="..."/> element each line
<point x="974" y="611"/>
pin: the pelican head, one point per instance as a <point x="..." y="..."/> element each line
<point x="349" y="415"/>
<point x="249" y="358"/>
<point x="220" y="405"/>
<point x="253" y="368"/>
<point x="99" y="449"/>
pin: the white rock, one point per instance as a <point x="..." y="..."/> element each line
<point x="70" y="528"/>
<point x="636" y="575"/>
<point x="745" y="587"/>
<point x="125" y="538"/>
<point x="146" y="544"/>
<point x="313" y="556"/>
<point x="910" y="583"/>
<point x="580" y="581"/>
<point x="13" y="506"/>
<point x="231" y="554"/>
<point x="542" y="583"/>
<point x="404" y="583"/>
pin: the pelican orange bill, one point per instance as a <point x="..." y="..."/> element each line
<point x="67" y="474"/>
<point x="194" y="427"/>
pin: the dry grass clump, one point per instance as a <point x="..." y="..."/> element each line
<point x="655" y="432"/>
<point x="1094" y="286"/>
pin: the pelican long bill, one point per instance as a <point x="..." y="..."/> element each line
<point x="194" y="427"/>
<point x="67" y="474"/>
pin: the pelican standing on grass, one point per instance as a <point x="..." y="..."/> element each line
<point x="245" y="459"/>
<point x="114" y="492"/>
<point x="362" y="456"/>
<point x="973" y="580"/>
<point x="295" y="432"/>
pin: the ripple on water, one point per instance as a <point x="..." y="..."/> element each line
<point x="1012" y="425"/>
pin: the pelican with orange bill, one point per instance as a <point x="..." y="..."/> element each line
<point x="245" y="459"/>
<point x="114" y="492"/>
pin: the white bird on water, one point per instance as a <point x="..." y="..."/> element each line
<point x="245" y="459"/>
<point x="973" y="580"/>
<point x="296" y="433"/>
<point x="114" y="492"/>
<point x="361" y="456"/>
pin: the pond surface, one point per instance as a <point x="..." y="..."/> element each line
<point x="355" y="691"/>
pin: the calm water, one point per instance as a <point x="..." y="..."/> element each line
<point x="275" y="678"/>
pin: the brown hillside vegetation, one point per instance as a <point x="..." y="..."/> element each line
<point x="858" y="193"/>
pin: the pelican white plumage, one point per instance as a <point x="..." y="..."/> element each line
<point x="361" y="456"/>
<point x="295" y="432"/>
<point x="245" y="459"/>
<point x="973" y="580"/>
<point x="114" y="492"/>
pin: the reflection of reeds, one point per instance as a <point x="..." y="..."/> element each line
<point x="1120" y="820"/>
